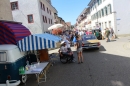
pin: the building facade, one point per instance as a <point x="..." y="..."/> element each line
<point x="84" y="20"/>
<point x="110" y="13"/>
<point x="36" y="15"/>
<point x="5" y="11"/>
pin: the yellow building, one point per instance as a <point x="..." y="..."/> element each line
<point x="5" y="10"/>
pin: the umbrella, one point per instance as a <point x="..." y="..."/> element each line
<point x="55" y="26"/>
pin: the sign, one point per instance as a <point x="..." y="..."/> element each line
<point x="118" y="19"/>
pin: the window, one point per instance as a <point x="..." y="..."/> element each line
<point x="47" y="10"/>
<point x="14" y="5"/>
<point x="30" y="18"/>
<point x="41" y="4"/>
<point x="99" y="14"/>
<point x="105" y="24"/>
<point x="44" y="19"/>
<point x="106" y="11"/>
<point x="102" y="12"/>
<point x="50" y="12"/>
<point x="43" y="7"/>
<point x="49" y="20"/>
<point x="109" y="9"/>
<point x="109" y="24"/>
<point x="3" y="56"/>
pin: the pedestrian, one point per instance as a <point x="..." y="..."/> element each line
<point x="112" y="33"/>
<point x="97" y="34"/>
<point x="79" y="49"/>
<point x="103" y="34"/>
<point x="107" y="33"/>
<point x="74" y="41"/>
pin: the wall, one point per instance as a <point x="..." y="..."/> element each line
<point x="46" y="25"/>
<point x="25" y="8"/>
<point x="5" y="10"/>
<point x="106" y="18"/>
<point x="122" y="16"/>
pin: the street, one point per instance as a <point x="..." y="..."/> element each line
<point x="108" y="66"/>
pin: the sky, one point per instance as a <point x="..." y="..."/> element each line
<point x="69" y="10"/>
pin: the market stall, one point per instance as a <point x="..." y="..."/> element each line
<point x="40" y="43"/>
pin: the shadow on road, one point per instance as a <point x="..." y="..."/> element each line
<point x="112" y="40"/>
<point x="96" y="50"/>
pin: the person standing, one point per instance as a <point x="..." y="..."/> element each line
<point x="112" y="33"/>
<point x="97" y="34"/>
<point x="79" y="49"/>
<point x="107" y="33"/>
<point x="103" y="34"/>
<point x="74" y="41"/>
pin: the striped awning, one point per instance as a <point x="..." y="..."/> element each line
<point x="11" y="32"/>
<point x="38" y="42"/>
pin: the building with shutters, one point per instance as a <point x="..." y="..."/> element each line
<point x="110" y="13"/>
<point x="36" y="15"/>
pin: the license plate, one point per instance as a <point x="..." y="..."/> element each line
<point x="90" y="45"/>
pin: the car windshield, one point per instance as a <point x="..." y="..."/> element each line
<point x="88" y="37"/>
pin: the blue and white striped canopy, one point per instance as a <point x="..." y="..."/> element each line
<point x="38" y="42"/>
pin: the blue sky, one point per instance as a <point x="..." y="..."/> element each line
<point x="69" y="10"/>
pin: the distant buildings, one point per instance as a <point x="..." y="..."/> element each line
<point x="36" y="15"/>
<point x="84" y="20"/>
<point x="5" y="11"/>
<point x="110" y="13"/>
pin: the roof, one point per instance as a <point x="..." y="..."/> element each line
<point x="7" y="47"/>
<point x="11" y="32"/>
<point x="68" y="23"/>
<point x="91" y="2"/>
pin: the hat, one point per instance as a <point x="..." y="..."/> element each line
<point x="62" y="42"/>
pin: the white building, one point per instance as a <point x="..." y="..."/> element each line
<point x="111" y="13"/>
<point x="36" y="15"/>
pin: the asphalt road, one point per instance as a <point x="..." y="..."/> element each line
<point x="108" y="66"/>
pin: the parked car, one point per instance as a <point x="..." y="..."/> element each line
<point x="11" y="59"/>
<point x="90" y="41"/>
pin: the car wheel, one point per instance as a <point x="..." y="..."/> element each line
<point x="97" y="48"/>
<point x="23" y="79"/>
